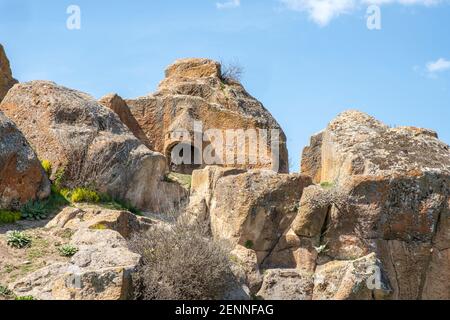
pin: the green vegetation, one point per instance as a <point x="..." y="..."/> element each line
<point x="47" y="167"/>
<point x="327" y="185"/>
<point x="39" y="210"/>
<point x="34" y="210"/>
<point x="249" y="244"/>
<point x="5" y="292"/>
<point x="25" y="298"/>
<point x="17" y="239"/>
<point x="67" y="250"/>
<point x="59" y="177"/>
<point x="7" y="216"/>
<point x="84" y="195"/>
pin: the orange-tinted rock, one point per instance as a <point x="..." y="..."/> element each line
<point x="6" y="79"/>
<point x="194" y="90"/>
<point x="90" y="145"/>
<point x="22" y="177"/>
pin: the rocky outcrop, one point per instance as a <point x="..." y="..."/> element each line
<point x="6" y="79"/>
<point x="387" y="193"/>
<point x="90" y="145"/>
<point x="102" y="267"/>
<point x="119" y="106"/>
<point x="22" y="177"/>
<point x="357" y="144"/>
<point x="251" y="209"/>
<point x="194" y="90"/>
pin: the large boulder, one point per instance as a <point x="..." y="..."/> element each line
<point x="22" y="177"/>
<point x="6" y="78"/>
<point x="194" y="90"/>
<point x="88" y="145"/>
<point x="388" y="193"/>
<point x="253" y="210"/>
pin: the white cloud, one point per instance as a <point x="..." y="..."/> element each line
<point x="438" y="66"/>
<point x="228" y="4"/>
<point x="323" y="11"/>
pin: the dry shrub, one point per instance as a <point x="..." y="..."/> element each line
<point x="232" y="72"/>
<point x="180" y="262"/>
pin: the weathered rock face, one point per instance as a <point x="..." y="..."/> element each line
<point x="119" y="106"/>
<point x="251" y="209"/>
<point x="357" y="144"/>
<point x="102" y="267"/>
<point x="194" y="90"/>
<point x="22" y="177"/>
<point x="387" y="192"/>
<point x="90" y="144"/>
<point x="6" y="79"/>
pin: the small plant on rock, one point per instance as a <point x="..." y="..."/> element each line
<point x="67" y="250"/>
<point x="17" y="239"/>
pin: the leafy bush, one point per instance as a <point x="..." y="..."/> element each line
<point x="17" y="239"/>
<point x="47" y="167"/>
<point x="7" y="216"/>
<point x="84" y="195"/>
<point x="34" y="210"/>
<point x="249" y="244"/>
<point x="180" y="262"/>
<point x="67" y="250"/>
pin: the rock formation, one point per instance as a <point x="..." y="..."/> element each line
<point x="102" y="267"/>
<point x="387" y="193"/>
<point x="90" y="145"/>
<point x="22" y="177"/>
<point x="119" y="106"/>
<point x="194" y="90"/>
<point x="6" y="79"/>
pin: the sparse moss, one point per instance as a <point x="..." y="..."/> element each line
<point x="327" y="185"/>
<point x="184" y="180"/>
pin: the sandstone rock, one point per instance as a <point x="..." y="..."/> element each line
<point x="6" y="79"/>
<point x="89" y="142"/>
<point x="357" y="144"/>
<point x="247" y="260"/>
<point x="313" y="211"/>
<point x="287" y="284"/>
<point x="361" y="279"/>
<point x="119" y="106"/>
<point x="252" y="209"/>
<point x="102" y="267"/>
<point x="389" y="191"/>
<point x="95" y="218"/>
<point x="22" y="177"/>
<point x="194" y="90"/>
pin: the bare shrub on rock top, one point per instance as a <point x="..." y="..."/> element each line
<point x="180" y="262"/>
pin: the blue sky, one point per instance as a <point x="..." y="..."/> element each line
<point x="306" y="60"/>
